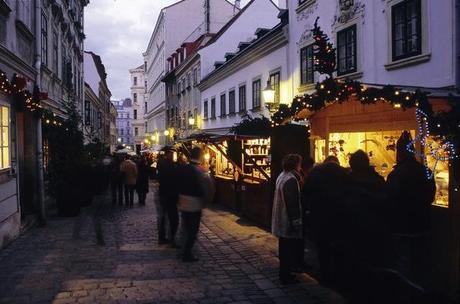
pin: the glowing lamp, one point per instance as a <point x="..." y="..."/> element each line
<point x="166" y="132"/>
<point x="191" y="121"/>
<point x="269" y="93"/>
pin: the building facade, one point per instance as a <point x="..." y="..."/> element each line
<point x="97" y="106"/>
<point x="183" y="98"/>
<point x="138" y="93"/>
<point x="197" y="17"/>
<point x="113" y="128"/>
<point x="124" y="121"/>
<point x="237" y="63"/>
<point x="41" y="42"/>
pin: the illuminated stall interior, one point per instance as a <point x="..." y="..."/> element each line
<point x="255" y="160"/>
<point x="342" y="129"/>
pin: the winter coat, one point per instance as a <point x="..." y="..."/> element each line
<point x="142" y="184"/>
<point x="287" y="209"/>
<point x="129" y="169"/>
<point x="196" y="188"/>
<point x="326" y="190"/>
<point x="168" y="180"/>
<point x="410" y="194"/>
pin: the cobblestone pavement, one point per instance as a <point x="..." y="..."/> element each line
<point x="238" y="264"/>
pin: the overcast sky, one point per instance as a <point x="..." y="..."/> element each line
<point x="118" y="31"/>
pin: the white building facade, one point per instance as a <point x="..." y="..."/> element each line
<point x="138" y="93"/>
<point x="237" y="64"/>
<point x="196" y="17"/>
<point x="124" y="122"/>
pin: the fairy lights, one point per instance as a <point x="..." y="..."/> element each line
<point x="443" y="152"/>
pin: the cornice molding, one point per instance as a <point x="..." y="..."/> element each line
<point x="15" y="63"/>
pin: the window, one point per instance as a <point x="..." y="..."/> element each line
<point x="136" y="131"/>
<point x="213" y="108"/>
<point x="346" y="50"/>
<point x="205" y="109"/>
<point x="195" y="76"/>
<point x="135" y="81"/>
<point x="406" y="29"/>
<point x="135" y="97"/>
<point x="55" y="52"/>
<point x="306" y="65"/>
<point x="145" y="85"/>
<point x="231" y="102"/>
<point x="275" y="82"/>
<point x="122" y="131"/>
<point x="87" y="112"/>
<point x="256" y="90"/>
<point x="145" y="66"/>
<point x="99" y="120"/>
<point x="44" y="37"/>
<point x="135" y="114"/>
<point x="4" y="137"/>
<point x="242" y="98"/>
<point x="223" y="105"/>
<point x="145" y="127"/>
<point x="145" y="107"/>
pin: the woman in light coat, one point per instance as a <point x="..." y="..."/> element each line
<point x="287" y="216"/>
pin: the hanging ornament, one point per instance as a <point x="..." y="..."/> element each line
<point x="441" y="152"/>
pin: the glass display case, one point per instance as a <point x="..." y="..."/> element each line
<point x="218" y="162"/>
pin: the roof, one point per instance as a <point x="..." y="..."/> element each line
<point x="100" y="68"/>
<point x="231" y="21"/>
<point x="252" y="44"/>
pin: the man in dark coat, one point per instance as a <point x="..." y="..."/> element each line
<point x="326" y="190"/>
<point x="167" y="178"/>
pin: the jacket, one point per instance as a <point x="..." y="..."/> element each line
<point x="287" y="209"/>
<point x="129" y="169"/>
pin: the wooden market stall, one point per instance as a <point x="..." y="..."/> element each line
<point x="342" y="128"/>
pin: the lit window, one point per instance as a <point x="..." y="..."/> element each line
<point x="4" y="137"/>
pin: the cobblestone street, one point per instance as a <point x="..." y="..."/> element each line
<point x="238" y="264"/>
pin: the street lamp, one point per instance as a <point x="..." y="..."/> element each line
<point x="166" y="132"/>
<point x="119" y="139"/>
<point x="191" y="121"/>
<point x="269" y="93"/>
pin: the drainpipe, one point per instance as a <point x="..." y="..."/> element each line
<point x="39" y="142"/>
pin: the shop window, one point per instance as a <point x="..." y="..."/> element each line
<point x="306" y="65"/>
<point x="406" y="29"/>
<point x="205" y="109"/>
<point x="231" y="102"/>
<point x="256" y="90"/>
<point x="346" y="50"/>
<point x="275" y="82"/>
<point x="213" y="108"/>
<point x="5" y="161"/>
<point x="242" y="98"/>
<point x="223" y="105"/>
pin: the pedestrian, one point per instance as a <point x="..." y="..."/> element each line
<point x="410" y="195"/>
<point x="195" y="192"/>
<point x="129" y="170"/>
<point x="92" y="178"/>
<point x="287" y="216"/>
<point x="142" y="183"/>
<point x="326" y="191"/>
<point x="168" y="183"/>
<point x="116" y="181"/>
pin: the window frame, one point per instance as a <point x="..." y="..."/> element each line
<point x="256" y="95"/>
<point x="276" y="86"/>
<point x="223" y="104"/>
<point x="304" y="78"/>
<point x="419" y="27"/>
<point x="242" y="88"/>
<point x="44" y="39"/>
<point x="345" y="31"/>
<point x="205" y="109"/>
<point x="213" y="107"/>
<point x="231" y="101"/>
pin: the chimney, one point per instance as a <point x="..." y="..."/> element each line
<point x="236" y="7"/>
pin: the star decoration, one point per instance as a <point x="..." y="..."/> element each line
<point x="441" y="152"/>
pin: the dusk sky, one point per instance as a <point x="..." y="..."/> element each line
<point x="118" y="31"/>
